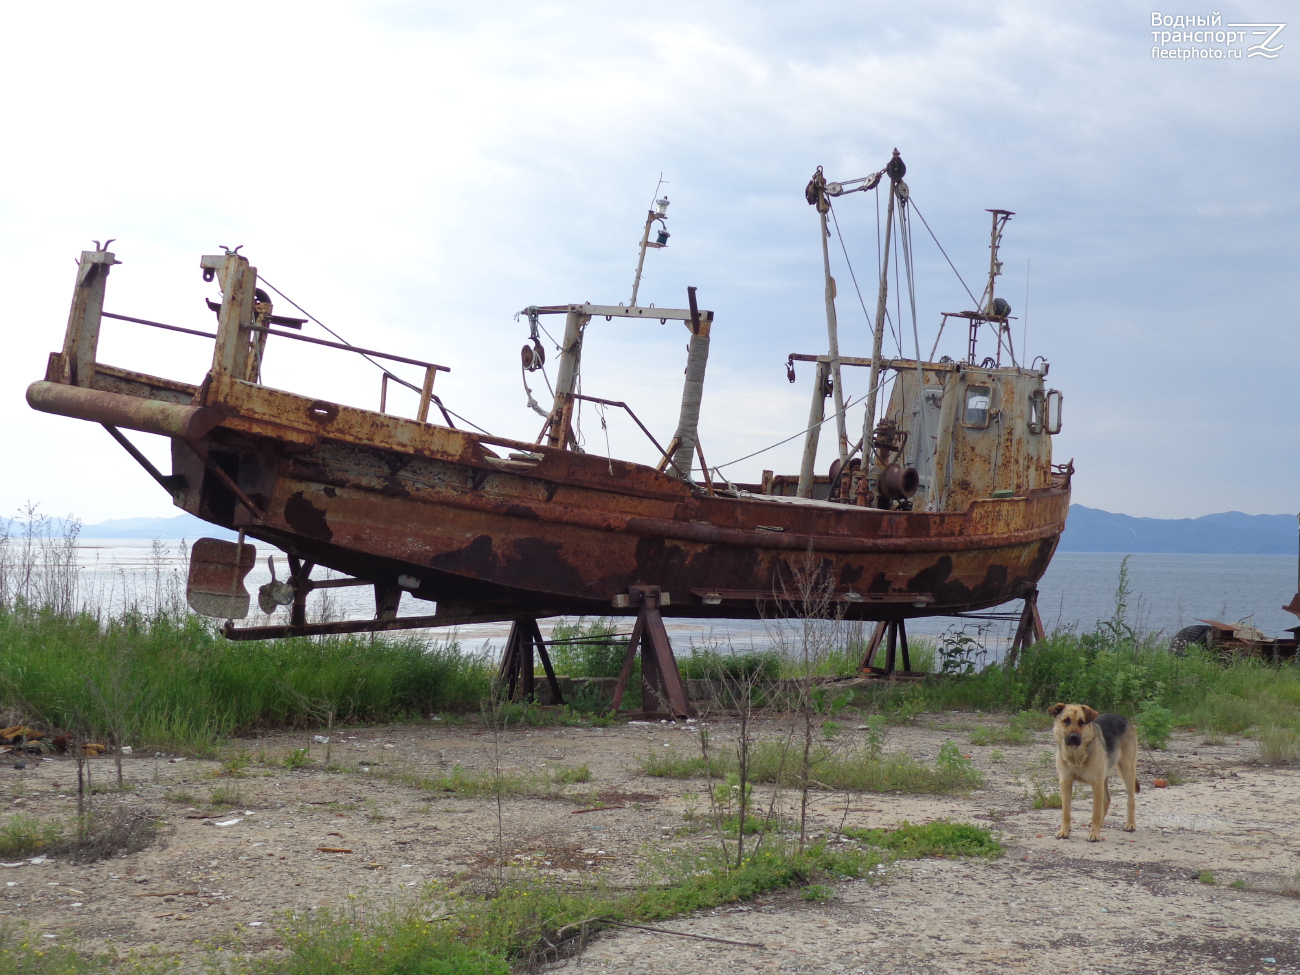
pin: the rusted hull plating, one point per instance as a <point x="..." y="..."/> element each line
<point x="713" y="558"/>
<point x="553" y="531"/>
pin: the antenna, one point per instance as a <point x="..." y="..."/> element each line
<point x="1024" y="326"/>
<point x="658" y="212"/>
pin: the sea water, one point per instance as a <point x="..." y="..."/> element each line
<point x="1079" y="589"/>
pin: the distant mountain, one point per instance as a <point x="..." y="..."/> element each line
<point x="1088" y="530"/>
<point x="181" y="526"/>
<point x="1227" y="533"/>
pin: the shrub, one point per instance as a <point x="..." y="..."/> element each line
<point x="569" y="774"/>
<point x="864" y="770"/>
<point x="739" y="667"/>
<point x="601" y="657"/>
<point x="1278" y="746"/>
<point x="23" y="835"/>
<point x="171" y="680"/>
<point x="95" y="835"/>
<point x="1155" y="723"/>
<point x="937" y="839"/>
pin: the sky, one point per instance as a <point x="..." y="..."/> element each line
<point x="413" y="174"/>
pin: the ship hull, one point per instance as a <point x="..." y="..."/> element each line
<point x="559" y="532"/>
<point x="549" y="532"/>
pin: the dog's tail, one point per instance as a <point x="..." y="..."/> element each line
<point x="1137" y="786"/>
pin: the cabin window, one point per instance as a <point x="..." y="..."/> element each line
<point x="1053" y="411"/>
<point x="977" y="407"/>
<point x="1036" y="407"/>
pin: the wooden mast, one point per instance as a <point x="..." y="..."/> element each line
<point x="895" y="171"/>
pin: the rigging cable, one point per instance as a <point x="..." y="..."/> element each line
<point x="853" y="276"/>
<point x="905" y="228"/>
<point x="973" y="300"/>
<point x="534" y="325"/>
<point x="446" y="412"/>
<point x="609" y="457"/>
<point x="823" y="420"/>
<point x="855" y="282"/>
<point x="941" y="250"/>
<point x="532" y="403"/>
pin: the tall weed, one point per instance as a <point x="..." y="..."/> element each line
<point x="188" y="687"/>
<point x="597" y="650"/>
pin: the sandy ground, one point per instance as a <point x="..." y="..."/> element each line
<point x="1129" y="904"/>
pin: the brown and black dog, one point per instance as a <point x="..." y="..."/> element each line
<point x="1089" y="746"/>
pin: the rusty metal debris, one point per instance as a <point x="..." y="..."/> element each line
<point x="952" y="505"/>
<point x="1241" y="639"/>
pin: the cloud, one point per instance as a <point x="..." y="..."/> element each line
<point x="415" y="173"/>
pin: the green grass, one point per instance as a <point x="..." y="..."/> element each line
<point x="1018" y="731"/>
<point x="938" y="839"/>
<point x="170" y="681"/>
<point x="484" y="783"/>
<point x="863" y="770"/>
<point x="227" y="795"/>
<point x="602" y="657"/>
<point x="95" y="835"/>
<point x="1278" y="746"/>
<point x="25" y="835"/>
<point x="704" y="663"/>
<point x="442" y="933"/>
<point x="445" y="933"/>
<point x="1045" y="799"/>
<point x="483" y="935"/>
<point x="25" y="952"/>
<point x="568" y="774"/>
<point x="1116" y="674"/>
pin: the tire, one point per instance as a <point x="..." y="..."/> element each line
<point x="1199" y="633"/>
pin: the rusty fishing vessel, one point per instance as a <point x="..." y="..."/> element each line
<point x="949" y="502"/>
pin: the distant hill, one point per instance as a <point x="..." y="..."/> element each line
<point x="1088" y="530"/>
<point x="1227" y="533"/>
<point x="181" y="526"/>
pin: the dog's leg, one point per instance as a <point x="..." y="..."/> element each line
<point x="1067" y="792"/>
<point x="1099" y="801"/>
<point x="1105" y="791"/>
<point x="1128" y="772"/>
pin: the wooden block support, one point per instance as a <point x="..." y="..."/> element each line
<point x="1029" y="631"/>
<point x="518" y="663"/>
<point x="893" y="633"/>
<point x="662" y="690"/>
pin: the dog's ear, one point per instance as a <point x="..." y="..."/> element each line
<point x="1088" y="713"/>
<point x="1055" y="709"/>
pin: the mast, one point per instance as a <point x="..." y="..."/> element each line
<point x="659" y="212"/>
<point x="559" y="432"/>
<point x="895" y="171"/>
<point x="994" y="310"/>
<point x="817" y="189"/>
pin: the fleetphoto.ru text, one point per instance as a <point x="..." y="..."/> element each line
<point x="1192" y="37"/>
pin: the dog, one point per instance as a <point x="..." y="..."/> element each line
<point x="1089" y="746"/>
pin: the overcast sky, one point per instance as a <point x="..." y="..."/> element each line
<point x="415" y="173"/>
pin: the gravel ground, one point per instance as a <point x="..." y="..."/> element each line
<point x="1129" y="904"/>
